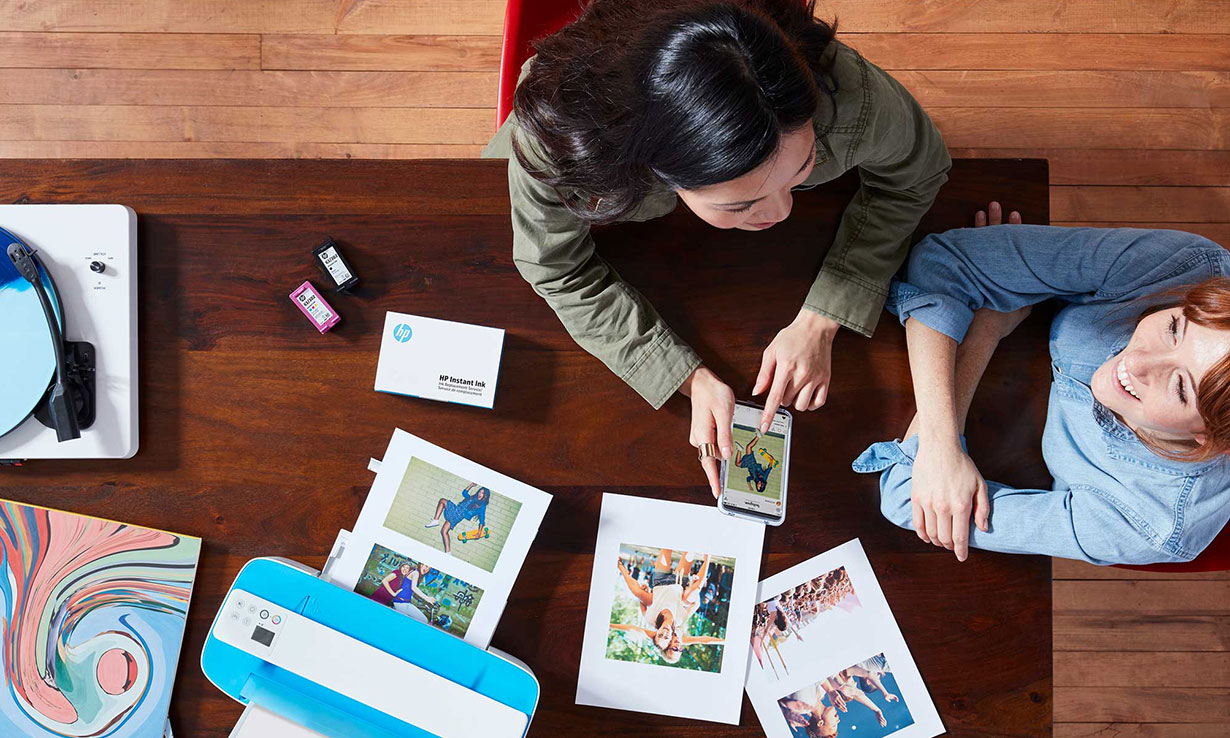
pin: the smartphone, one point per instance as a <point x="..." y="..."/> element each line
<point x="754" y="480"/>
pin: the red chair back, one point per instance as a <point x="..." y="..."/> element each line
<point x="526" y="21"/>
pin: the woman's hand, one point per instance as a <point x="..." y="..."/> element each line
<point x="994" y="215"/>
<point x="795" y="368"/>
<point x="947" y="489"/>
<point x="713" y="412"/>
<point x="837" y="699"/>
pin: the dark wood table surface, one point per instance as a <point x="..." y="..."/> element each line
<point x="255" y="430"/>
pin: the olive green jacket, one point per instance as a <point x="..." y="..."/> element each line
<point x="880" y="128"/>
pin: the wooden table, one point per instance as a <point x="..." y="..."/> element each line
<point x="255" y="431"/>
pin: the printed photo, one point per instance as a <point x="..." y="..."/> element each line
<point x="862" y="700"/>
<point x="755" y="466"/>
<point x="416" y="589"/>
<point x="452" y="514"/>
<point x="788" y="616"/>
<point x="670" y="608"/>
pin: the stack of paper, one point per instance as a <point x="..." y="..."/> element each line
<point x="440" y="538"/>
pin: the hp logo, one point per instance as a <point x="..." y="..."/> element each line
<point x="402" y="332"/>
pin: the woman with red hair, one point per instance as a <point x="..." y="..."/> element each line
<point x="1138" y="426"/>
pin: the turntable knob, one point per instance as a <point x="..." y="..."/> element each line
<point x="98" y="267"/>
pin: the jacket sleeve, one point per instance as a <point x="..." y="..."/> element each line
<point x="904" y="163"/>
<point x="951" y="275"/>
<point x="554" y="251"/>
<point x="1077" y="523"/>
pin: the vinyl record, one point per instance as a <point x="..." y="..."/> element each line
<point x="27" y="356"/>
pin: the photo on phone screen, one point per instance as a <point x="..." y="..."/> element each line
<point x="756" y="471"/>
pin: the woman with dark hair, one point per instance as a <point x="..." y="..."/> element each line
<point x="728" y="106"/>
<point x="1137" y="431"/>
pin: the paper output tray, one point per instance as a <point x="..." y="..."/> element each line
<point x="415" y="669"/>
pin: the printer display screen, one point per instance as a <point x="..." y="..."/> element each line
<point x="262" y="636"/>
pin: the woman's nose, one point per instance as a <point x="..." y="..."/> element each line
<point x="1144" y="366"/>
<point x="777" y="207"/>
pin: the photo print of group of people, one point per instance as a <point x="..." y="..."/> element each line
<point x="828" y="658"/>
<point x="839" y="704"/>
<point x="670" y="609"/>
<point x="419" y="590"/>
<point x="441" y="538"/>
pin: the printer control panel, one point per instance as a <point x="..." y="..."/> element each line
<point x="250" y="623"/>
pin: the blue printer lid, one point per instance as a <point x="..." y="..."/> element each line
<point x="247" y="678"/>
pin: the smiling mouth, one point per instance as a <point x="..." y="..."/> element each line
<point x="1125" y="380"/>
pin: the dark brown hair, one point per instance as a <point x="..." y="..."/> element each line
<point x="636" y="94"/>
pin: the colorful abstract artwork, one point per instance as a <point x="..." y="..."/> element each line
<point x="93" y="614"/>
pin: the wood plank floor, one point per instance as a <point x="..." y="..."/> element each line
<point x="1129" y="101"/>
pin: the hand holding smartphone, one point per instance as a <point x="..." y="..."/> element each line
<point x="754" y="480"/>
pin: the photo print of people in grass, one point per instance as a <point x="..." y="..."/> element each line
<point x="670" y="608"/>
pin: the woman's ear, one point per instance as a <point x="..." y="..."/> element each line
<point x="1201" y="438"/>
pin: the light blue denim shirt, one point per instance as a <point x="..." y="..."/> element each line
<point x="1113" y="501"/>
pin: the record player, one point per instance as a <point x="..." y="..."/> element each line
<point x="68" y="332"/>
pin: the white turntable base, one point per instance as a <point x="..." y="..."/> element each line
<point x="99" y="308"/>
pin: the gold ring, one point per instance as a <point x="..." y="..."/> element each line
<point x="706" y="451"/>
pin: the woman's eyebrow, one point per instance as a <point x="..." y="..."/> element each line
<point x="745" y="203"/>
<point x="741" y="204"/>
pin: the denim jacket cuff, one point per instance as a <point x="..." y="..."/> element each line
<point x="935" y="310"/>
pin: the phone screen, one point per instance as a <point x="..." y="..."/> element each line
<point x="757" y="468"/>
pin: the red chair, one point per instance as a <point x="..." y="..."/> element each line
<point x="1214" y="558"/>
<point x="526" y="21"/>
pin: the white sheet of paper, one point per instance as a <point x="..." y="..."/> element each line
<point x="257" y="722"/>
<point x="647" y="684"/>
<point x="855" y="629"/>
<point x="414" y="475"/>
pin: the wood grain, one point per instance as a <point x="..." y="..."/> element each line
<point x="1125" y="629"/>
<point x="1069" y="569"/>
<point x="1140" y="730"/>
<point x="1161" y="704"/>
<point x="33" y="49"/>
<point x="443" y="17"/>
<point x="1075" y="128"/>
<point x="1154" y="597"/>
<point x="1128" y="52"/>
<point x="243" y="88"/>
<point x="1029" y="16"/>
<point x="1074" y="89"/>
<point x="380" y="52"/>
<point x="1136" y="668"/>
<point x="296" y="420"/>
<point x="224" y="150"/>
<point x="1143" y="204"/>
<point x="244" y="124"/>
<point x="1144" y="167"/>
